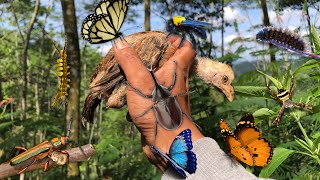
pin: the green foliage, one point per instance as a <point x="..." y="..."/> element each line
<point x="119" y="156"/>
<point x="279" y="156"/>
<point x="315" y="39"/>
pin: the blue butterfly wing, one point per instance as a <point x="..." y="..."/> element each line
<point x="180" y="152"/>
<point x="172" y="162"/>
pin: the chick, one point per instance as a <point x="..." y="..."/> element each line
<point x="109" y="83"/>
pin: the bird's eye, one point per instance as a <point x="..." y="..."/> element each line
<point x="225" y="79"/>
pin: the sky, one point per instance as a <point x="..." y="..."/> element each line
<point x="289" y="18"/>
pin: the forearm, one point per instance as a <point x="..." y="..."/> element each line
<point x="212" y="163"/>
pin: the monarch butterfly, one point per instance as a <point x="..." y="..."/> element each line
<point x="180" y="155"/>
<point x="286" y="39"/>
<point x="181" y="25"/>
<point x="62" y="72"/>
<point x="246" y="144"/>
<point x="104" y="25"/>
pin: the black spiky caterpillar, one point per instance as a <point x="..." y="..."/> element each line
<point x="286" y="39"/>
<point x="62" y="71"/>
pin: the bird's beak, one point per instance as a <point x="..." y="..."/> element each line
<point x="227" y="90"/>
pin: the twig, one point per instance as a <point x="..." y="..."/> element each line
<point x="77" y="154"/>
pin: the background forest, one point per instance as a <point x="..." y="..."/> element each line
<point x="28" y="82"/>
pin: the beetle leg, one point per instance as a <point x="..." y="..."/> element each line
<point x="143" y="113"/>
<point x="193" y="40"/>
<point x="24" y="169"/>
<point x="182" y="39"/>
<point x="16" y="150"/>
<point x="174" y="76"/>
<point x="139" y="92"/>
<point x="46" y="166"/>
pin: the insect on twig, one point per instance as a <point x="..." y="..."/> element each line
<point x="62" y="72"/>
<point x="284" y="96"/>
<point x="45" y="149"/>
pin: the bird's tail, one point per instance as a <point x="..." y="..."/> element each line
<point x="90" y="105"/>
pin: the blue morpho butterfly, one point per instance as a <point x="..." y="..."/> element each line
<point x="182" y="26"/>
<point x="180" y="155"/>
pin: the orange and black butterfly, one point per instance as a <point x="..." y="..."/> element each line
<point x="246" y="143"/>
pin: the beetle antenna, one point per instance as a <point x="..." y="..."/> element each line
<point x="69" y="126"/>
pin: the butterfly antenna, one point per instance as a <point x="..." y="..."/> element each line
<point x="134" y="27"/>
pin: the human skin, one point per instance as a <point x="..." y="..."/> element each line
<point x="140" y="78"/>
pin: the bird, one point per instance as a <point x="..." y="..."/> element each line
<point x="109" y="83"/>
<point x="182" y="26"/>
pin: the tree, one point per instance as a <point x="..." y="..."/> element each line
<point x="73" y="53"/>
<point x="147" y="26"/>
<point x="25" y="57"/>
<point x="266" y="22"/>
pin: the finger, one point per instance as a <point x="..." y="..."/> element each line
<point x="129" y="60"/>
<point x="175" y="41"/>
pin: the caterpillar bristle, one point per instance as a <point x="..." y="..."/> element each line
<point x="286" y="39"/>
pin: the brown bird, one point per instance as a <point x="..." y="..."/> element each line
<point x="109" y="83"/>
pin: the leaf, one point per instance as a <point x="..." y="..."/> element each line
<point x="5" y="125"/>
<point x="303" y="144"/>
<point x="316" y="92"/>
<point x="274" y="80"/>
<point x="308" y="65"/>
<point x="316" y="135"/>
<point x="315" y="39"/>
<point x="264" y="112"/>
<point x="254" y="91"/>
<point x="279" y="156"/>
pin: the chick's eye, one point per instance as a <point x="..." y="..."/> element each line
<point x="225" y="79"/>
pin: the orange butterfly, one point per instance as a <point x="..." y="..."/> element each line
<point x="246" y="144"/>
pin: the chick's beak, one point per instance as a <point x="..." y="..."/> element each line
<point x="227" y="90"/>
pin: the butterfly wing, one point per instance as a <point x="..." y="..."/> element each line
<point x="246" y="130"/>
<point x="250" y="138"/>
<point x="102" y="7"/>
<point x="234" y="145"/>
<point x="262" y="151"/>
<point x="172" y="162"/>
<point x="86" y="25"/>
<point x="180" y="152"/>
<point x="104" y="26"/>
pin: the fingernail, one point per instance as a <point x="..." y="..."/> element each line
<point x="120" y="44"/>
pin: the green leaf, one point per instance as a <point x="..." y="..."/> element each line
<point x="316" y="92"/>
<point x="274" y="80"/>
<point x="5" y="125"/>
<point x="316" y="135"/>
<point x="264" y="112"/>
<point x="303" y="144"/>
<point x="254" y="91"/>
<point x="279" y="156"/>
<point x="308" y="65"/>
<point x="315" y="39"/>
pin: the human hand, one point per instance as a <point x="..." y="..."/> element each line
<point x="139" y="77"/>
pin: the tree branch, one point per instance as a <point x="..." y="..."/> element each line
<point x="77" y="154"/>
